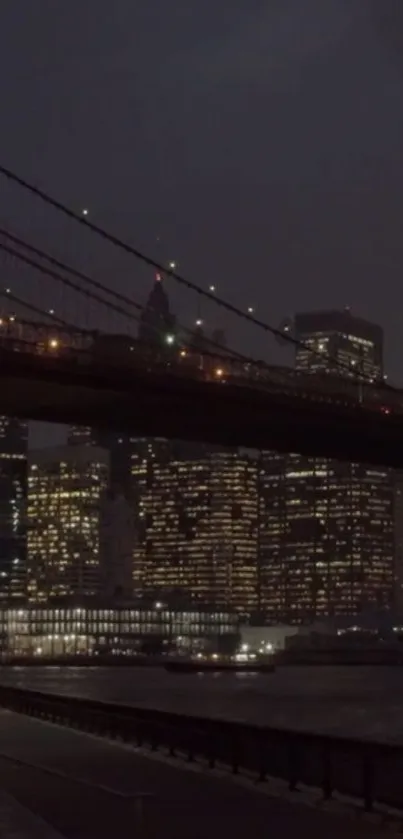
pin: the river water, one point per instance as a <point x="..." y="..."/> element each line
<point x="351" y="701"/>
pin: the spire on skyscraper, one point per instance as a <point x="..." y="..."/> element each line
<point x="156" y="320"/>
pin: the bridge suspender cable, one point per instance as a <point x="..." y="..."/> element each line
<point x="111" y="292"/>
<point x="65" y="280"/>
<point x="8" y="295"/>
<point x="93" y="296"/>
<point x="62" y="265"/>
<point x="120" y="243"/>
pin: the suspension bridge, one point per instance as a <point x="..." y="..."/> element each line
<point x="85" y="362"/>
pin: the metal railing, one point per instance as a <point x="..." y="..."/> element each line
<point x="86" y="347"/>
<point x="368" y="771"/>
<point x="326" y="389"/>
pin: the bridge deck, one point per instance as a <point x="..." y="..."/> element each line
<point x="185" y="804"/>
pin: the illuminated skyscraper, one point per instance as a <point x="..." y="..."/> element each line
<point x="118" y="445"/>
<point x="340" y="343"/>
<point x="66" y="487"/>
<point x="197" y="525"/>
<point x="326" y="527"/>
<point x="13" y="489"/>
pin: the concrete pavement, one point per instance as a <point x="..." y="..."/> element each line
<point x="17" y="822"/>
<point x="185" y="804"/>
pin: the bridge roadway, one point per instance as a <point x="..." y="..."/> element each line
<point x="183" y="803"/>
<point x="77" y="389"/>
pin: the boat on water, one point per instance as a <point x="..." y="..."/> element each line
<point x="225" y="666"/>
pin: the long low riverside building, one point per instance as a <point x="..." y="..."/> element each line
<point x="50" y="631"/>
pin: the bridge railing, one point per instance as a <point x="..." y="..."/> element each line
<point x="86" y="348"/>
<point x="369" y="772"/>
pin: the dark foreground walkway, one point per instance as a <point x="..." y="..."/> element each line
<point x="184" y="804"/>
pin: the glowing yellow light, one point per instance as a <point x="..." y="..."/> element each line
<point x="53" y="343"/>
<point x="12" y="318"/>
<point x="183" y="353"/>
<point x="219" y="372"/>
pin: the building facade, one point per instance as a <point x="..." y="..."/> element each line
<point x="13" y="496"/>
<point x="92" y="629"/>
<point x="117" y="538"/>
<point x="340" y="343"/>
<point x="197" y="524"/>
<point x="157" y="322"/>
<point x="326" y="536"/>
<point x="66" y="486"/>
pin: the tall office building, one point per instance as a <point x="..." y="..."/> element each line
<point x="66" y="486"/>
<point x="118" y="445"/>
<point x="197" y="514"/>
<point x="13" y="490"/>
<point x="398" y="527"/>
<point x="340" y="343"/>
<point x="117" y="539"/>
<point x="326" y="539"/>
<point x="156" y="320"/>
<point x="157" y="323"/>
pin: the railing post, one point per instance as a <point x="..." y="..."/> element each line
<point x="172" y="749"/>
<point x="262" y="758"/>
<point x="211" y="750"/>
<point x="139" y="816"/>
<point x="367" y="781"/>
<point x="292" y="765"/>
<point x="327" y="773"/>
<point x="154" y="738"/>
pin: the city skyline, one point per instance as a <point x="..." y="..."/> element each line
<point x="158" y="324"/>
<point x="283" y="538"/>
<point x="269" y="184"/>
<point x="201" y="247"/>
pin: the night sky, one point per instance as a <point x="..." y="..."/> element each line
<point x="259" y="142"/>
